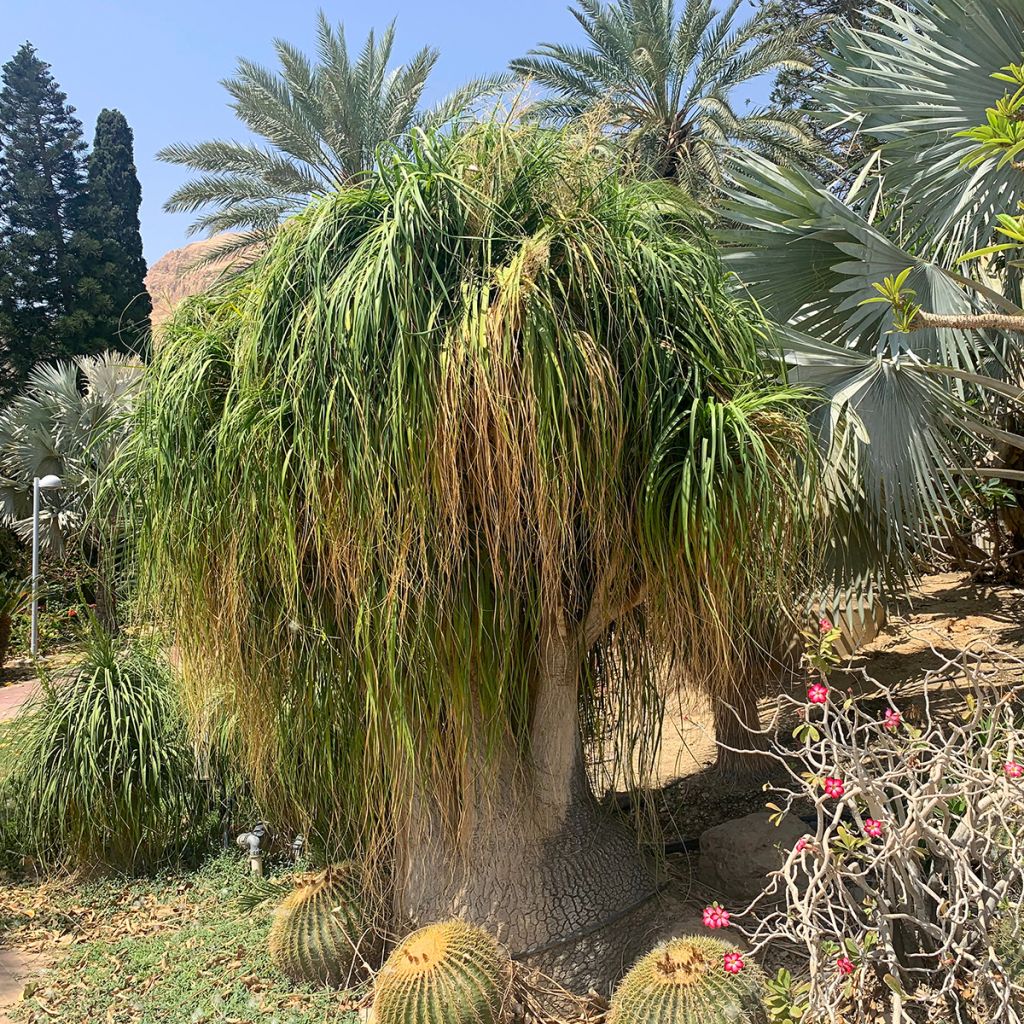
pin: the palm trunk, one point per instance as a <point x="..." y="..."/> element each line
<point x="537" y="862"/>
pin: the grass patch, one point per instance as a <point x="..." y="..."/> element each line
<point x="172" y="949"/>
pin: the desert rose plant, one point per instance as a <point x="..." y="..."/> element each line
<point x="914" y="865"/>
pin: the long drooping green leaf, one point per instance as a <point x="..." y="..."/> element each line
<point x="496" y="390"/>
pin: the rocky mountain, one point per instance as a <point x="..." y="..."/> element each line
<point x="175" y="276"/>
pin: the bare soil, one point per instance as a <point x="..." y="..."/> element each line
<point x="945" y="615"/>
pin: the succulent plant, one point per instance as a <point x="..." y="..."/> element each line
<point x="324" y="932"/>
<point x="450" y="973"/>
<point x="685" y="981"/>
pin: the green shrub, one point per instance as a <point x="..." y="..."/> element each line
<point x="103" y="769"/>
<point x="15" y="596"/>
<point x="449" y="973"/>
<point x="685" y="982"/>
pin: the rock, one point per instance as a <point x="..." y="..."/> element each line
<point x="737" y="856"/>
<point x="175" y="276"/>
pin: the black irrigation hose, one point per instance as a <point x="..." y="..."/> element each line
<point x="692" y="844"/>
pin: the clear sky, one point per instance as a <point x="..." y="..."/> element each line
<point x="161" y="61"/>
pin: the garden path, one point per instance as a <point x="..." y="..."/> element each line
<point x="12" y="697"/>
<point x="16" y="969"/>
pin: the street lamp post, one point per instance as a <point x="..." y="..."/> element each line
<point x="44" y="483"/>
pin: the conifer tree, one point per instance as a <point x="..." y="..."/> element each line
<point x="120" y="304"/>
<point x="42" y="314"/>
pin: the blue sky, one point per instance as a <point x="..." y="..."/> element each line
<point x="161" y="61"/>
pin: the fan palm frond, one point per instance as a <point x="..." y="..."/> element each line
<point x="67" y="421"/>
<point x="913" y="80"/>
<point x="811" y="259"/>
<point x="898" y="437"/>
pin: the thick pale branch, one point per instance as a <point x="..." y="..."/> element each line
<point x="968" y="322"/>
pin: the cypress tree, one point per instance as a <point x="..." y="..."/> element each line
<point x="120" y="304"/>
<point x="41" y="202"/>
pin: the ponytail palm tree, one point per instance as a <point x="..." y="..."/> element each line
<point x="320" y="123"/>
<point x="467" y="459"/>
<point x="664" y="81"/>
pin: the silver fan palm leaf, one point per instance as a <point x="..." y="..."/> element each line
<point x="913" y="80"/>
<point x="811" y="259"/>
<point x="905" y="417"/>
<point x="897" y="436"/>
<point x="68" y="421"/>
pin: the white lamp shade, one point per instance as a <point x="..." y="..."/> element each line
<point x="50" y="482"/>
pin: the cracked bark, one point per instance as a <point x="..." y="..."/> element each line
<point x="536" y="861"/>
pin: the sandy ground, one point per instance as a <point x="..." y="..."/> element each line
<point x="946" y="614"/>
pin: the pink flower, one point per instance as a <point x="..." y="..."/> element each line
<point x="834" y="787"/>
<point x="844" y="965"/>
<point x="893" y="719"/>
<point x="733" y="963"/>
<point x="801" y="844"/>
<point x="873" y="827"/>
<point x="1013" y="769"/>
<point x="817" y="694"/>
<point x="716" y="917"/>
<point x="825" y="624"/>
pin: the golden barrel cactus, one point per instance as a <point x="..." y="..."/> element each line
<point x="325" y="931"/>
<point x="450" y="973"/>
<point x="691" y="980"/>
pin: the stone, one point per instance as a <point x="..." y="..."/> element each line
<point x="737" y="856"/>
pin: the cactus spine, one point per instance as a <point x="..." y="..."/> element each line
<point x="324" y="932"/>
<point x="684" y="982"/>
<point x="449" y="973"/>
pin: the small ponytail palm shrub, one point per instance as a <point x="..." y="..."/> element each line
<point x="103" y="769"/>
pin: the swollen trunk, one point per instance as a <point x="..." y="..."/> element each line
<point x="536" y="860"/>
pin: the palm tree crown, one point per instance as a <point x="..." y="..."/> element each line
<point x="664" y="81"/>
<point x="322" y="124"/>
